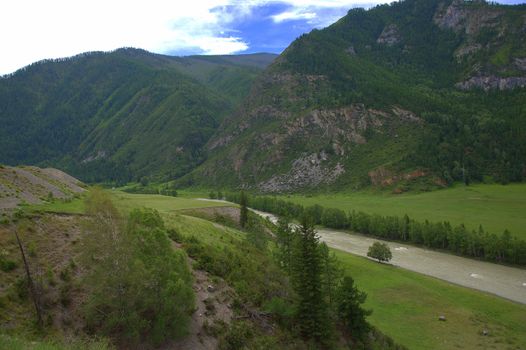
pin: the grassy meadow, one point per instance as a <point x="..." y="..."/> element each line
<point x="406" y="306"/>
<point x="163" y="204"/>
<point x="495" y="207"/>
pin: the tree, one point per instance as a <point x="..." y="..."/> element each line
<point x="285" y="242"/>
<point x="138" y="285"/>
<point x="331" y="275"/>
<point x="312" y="311"/>
<point x="380" y="251"/>
<point x="243" y="213"/>
<point x="350" y="313"/>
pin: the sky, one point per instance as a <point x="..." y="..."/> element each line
<point x="32" y="30"/>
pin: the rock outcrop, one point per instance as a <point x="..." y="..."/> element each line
<point x="307" y="171"/>
<point x="389" y="36"/>
<point x="492" y="82"/>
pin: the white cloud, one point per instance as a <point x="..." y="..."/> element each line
<point x="36" y="29"/>
<point x="293" y="15"/>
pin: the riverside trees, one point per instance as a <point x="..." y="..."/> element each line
<point x="503" y="248"/>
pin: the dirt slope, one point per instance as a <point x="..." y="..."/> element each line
<point x="34" y="185"/>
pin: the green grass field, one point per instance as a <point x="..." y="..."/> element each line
<point x="406" y="306"/>
<point x="75" y="206"/>
<point x="164" y="204"/>
<point x="495" y="207"/>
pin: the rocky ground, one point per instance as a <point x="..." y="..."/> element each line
<point x="33" y="185"/>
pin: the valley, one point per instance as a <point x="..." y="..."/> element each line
<point x="404" y="301"/>
<point x="361" y="188"/>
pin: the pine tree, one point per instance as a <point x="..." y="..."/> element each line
<point x="243" y="214"/>
<point x="312" y="311"/>
<point x="331" y="274"/>
<point x="350" y="313"/>
<point x="285" y="242"/>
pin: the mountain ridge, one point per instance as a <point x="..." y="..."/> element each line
<point x="392" y="61"/>
<point x="121" y="115"/>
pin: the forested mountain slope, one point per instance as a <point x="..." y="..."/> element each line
<point x="428" y="91"/>
<point x="120" y="115"/>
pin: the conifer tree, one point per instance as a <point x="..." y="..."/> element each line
<point x="243" y="214"/>
<point x="285" y="242"/>
<point x="312" y="312"/>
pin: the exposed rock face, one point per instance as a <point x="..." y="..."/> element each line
<point x="520" y="63"/>
<point x="492" y="82"/>
<point x="460" y="18"/>
<point x="389" y="36"/>
<point x="467" y="50"/>
<point x="307" y="171"/>
<point x="100" y="155"/>
<point x="385" y="177"/>
<point x="351" y="51"/>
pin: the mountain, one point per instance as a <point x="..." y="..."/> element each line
<point x="416" y="93"/>
<point x="121" y="115"/>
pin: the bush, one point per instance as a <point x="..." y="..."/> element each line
<point x="148" y="296"/>
<point x="380" y="251"/>
<point x="237" y="336"/>
<point x="7" y="265"/>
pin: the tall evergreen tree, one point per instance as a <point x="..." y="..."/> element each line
<point x="285" y="242"/>
<point x="243" y="214"/>
<point x="332" y="273"/>
<point x="350" y="313"/>
<point x="312" y="312"/>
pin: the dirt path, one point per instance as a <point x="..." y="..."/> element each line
<point x="504" y="281"/>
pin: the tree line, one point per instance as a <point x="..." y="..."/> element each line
<point x="480" y="244"/>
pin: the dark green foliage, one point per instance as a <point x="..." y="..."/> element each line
<point x="350" y="313"/>
<point x="243" y="210"/>
<point x="237" y="337"/>
<point x="380" y="251"/>
<point x="307" y="270"/>
<point x="7" y="264"/>
<point x="122" y="116"/>
<point x="140" y="288"/>
<point x="285" y="238"/>
<point x="331" y="275"/>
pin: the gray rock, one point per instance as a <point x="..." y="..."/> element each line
<point x="492" y="82"/>
<point x="389" y="36"/>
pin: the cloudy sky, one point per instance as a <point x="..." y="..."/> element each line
<point x="32" y="30"/>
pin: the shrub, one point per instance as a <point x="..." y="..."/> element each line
<point x="379" y="251"/>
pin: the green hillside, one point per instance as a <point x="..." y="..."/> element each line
<point x="121" y="115"/>
<point x="416" y="91"/>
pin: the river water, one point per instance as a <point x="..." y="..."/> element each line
<point x="504" y="281"/>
